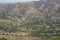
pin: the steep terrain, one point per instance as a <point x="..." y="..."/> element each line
<point x="32" y="9"/>
<point x="36" y="17"/>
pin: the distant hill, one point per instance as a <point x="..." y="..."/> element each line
<point x="32" y="9"/>
<point x="29" y="14"/>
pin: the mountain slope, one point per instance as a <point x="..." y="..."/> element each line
<point x="30" y="15"/>
<point x="50" y="7"/>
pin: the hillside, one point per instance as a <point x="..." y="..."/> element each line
<point x="36" y="8"/>
<point x="36" y="17"/>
